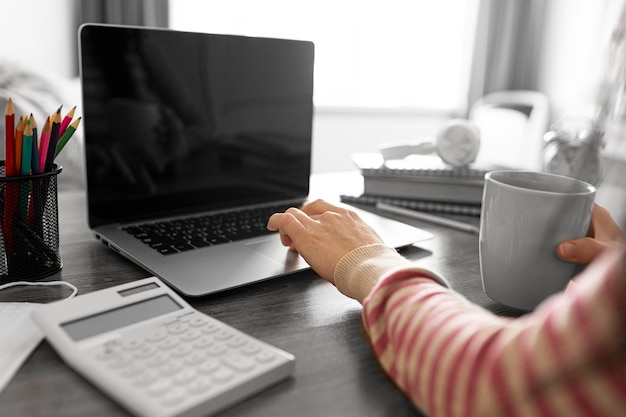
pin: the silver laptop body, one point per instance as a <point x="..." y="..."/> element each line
<point x="180" y="124"/>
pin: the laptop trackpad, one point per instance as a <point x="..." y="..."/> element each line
<point x="273" y="249"/>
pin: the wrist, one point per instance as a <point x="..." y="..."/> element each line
<point x="357" y="272"/>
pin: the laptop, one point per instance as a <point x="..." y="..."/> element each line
<point x="185" y="130"/>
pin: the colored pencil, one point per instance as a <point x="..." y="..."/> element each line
<point x="27" y="148"/>
<point x="33" y="124"/>
<point x="34" y="162"/>
<point x="34" y="215"/>
<point x="66" y="121"/>
<point x="24" y="186"/>
<point x="54" y="137"/>
<point x="9" y="189"/>
<point x="56" y="111"/>
<point x="43" y="145"/>
<point x="34" y="212"/>
<point x="9" y="150"/>
<point x="67" y="135"/>
<point x="19" y="134"/>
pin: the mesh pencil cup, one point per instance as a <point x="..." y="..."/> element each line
<point x="29" y="242"/>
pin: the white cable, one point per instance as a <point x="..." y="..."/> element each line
<point x="44" y="283"/>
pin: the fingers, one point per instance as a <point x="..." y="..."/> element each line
<point x="603" y="226"/>
<point x="320" y="206"/>
<point x="603" y="232"/>
<point x="581" y="251"/>
<point x="291" y="225"/>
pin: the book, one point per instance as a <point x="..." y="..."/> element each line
<point x="373" y="164"/>
<point x="419" y="177"/>
<point x="421" y="205"/>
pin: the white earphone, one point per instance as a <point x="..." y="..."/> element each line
<point x="457" y="144"/>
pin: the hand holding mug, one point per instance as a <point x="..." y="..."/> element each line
<point x="525" y="216"/>
<point x="603" y="232"/>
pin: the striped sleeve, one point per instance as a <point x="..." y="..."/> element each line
<point x="453" y="358"/>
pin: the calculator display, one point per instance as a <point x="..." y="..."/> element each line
<point x="137" y="290"/>
<point x="119" y="317"/>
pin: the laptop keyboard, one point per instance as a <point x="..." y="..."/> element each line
<point x="183" y="234"/>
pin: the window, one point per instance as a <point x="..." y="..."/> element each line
<point x="392" y="54"/>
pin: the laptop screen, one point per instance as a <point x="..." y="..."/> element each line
<point x="178" y="122"/>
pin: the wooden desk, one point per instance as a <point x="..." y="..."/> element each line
<point x="336" y="371"/>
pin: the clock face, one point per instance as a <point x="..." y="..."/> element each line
<point x="573" y="159"/>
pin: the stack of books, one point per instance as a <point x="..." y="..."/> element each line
<point x="420" y="182"/>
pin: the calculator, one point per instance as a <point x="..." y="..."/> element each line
<point x="157" y="356"/>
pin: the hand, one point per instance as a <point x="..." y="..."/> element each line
<point x="603" y="232"/>
<point x="322" y="233"/>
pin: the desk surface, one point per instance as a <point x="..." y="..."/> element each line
<point x="336" y="371"/>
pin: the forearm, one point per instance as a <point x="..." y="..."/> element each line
<point x="453" y="358"/>
<point x="428" y="339"/>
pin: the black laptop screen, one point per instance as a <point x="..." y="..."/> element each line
<point x="187" y="121"/>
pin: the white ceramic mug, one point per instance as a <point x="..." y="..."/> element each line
<point x="524" y="216"/>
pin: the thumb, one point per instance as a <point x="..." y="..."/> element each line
<point x="581" y="251"/>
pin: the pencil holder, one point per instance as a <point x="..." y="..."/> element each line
<point x="29" y="242"/>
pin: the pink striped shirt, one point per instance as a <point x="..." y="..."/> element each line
<point x="453" y="358"/>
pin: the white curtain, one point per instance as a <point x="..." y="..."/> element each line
<point x="508" y="41"/>
<point x="154" y="13"/>
<point x="125" y="12"/>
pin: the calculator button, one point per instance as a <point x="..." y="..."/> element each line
<point x="177" y="328"/>
<point x="132" y="344"/>
<point x="132" y="370"/>
<point x="250" y="350"/>
<point x="203" y="343"/>
<point x="210" y="328"/>
<point x="239" y="363"/>
<point x="236" y="342"/>
<point x="157" y="336"/>
<point x="109" y="350"/>
<point x="157" y="360"/>
<point x="223" y="375"/>
<point x="145" y="352"/>
<point x="199" y="386"/>
<point x="265" y="357"/>
<point x="223" y="335"/>
<point x="209" y="367"/>
<point x="190" y="336"/>
<point x="185" y="377"/>
<point x="216" y="350"/>
<point x="160" y="387"/>
<point x="120" y="362"/>
<point x="181" y="351"/>
<point x="195" y="358"/>
<point x="146" y="378"/>
<point x="168" y="343"/>
<point x="198" y="321"/>
<point x="174" y="397"/>
<point x="107" y="354"/>
<point x="171" y="368"/>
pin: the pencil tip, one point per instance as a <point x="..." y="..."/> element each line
<point x="70" y="113"/>
<point x="10" y="109"/>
